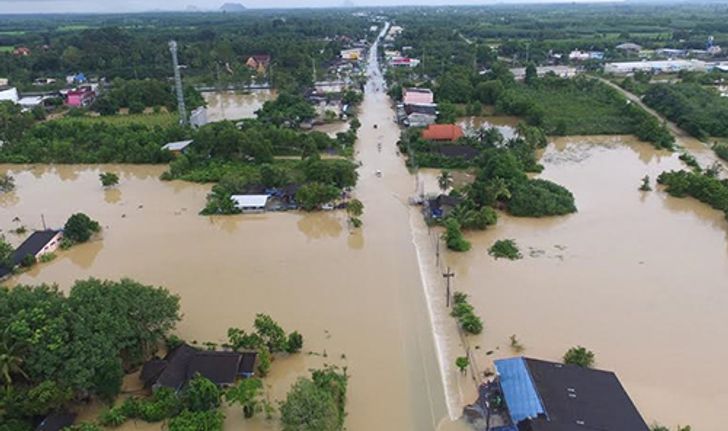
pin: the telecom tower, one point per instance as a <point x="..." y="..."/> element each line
<point x="178" y="84"/>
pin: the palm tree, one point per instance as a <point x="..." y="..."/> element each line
<point x="10" y="362"/>
<point x="444" y="181"/>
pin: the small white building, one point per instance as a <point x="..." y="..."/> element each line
<point x="561" y="71"/>
<point x="9" y="93"/>
<point x="177" y="147"/>
<point x="667" y="66"/>
<point x="353" y="54"/>
<point x="250" y="203"/>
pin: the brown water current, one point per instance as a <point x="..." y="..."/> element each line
<point x="356" y="296"/>
<point x="640" y="278"/>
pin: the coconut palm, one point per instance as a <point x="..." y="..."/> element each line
<point x="444" y="181"/>
<point x="10" y="362"/>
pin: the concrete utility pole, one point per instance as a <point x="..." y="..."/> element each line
<point x="448" y="275"/>
<point x="178" y="84"/>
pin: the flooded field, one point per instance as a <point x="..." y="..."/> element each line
<point x="640" y="278"/>
<point x="235" y="105"/>
<point x="506" y="125"/>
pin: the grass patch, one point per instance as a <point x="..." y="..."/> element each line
<point x="505" y="248"/>
<point x="163" y="119"/>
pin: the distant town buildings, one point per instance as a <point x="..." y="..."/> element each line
<point x="660" y="66"/>
<point x="561" y="71"/>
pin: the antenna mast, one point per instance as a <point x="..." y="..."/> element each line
<point x="178" y="84"/>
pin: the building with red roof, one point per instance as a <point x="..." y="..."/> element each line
<point x="442" y="132"/>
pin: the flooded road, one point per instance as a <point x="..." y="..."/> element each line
<point x="235" y="105"/>
<point x="640" y="278"/>
<point x="355" y="296"/>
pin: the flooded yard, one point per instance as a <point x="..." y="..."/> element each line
<point x="235" y="105"/>
<point x="637" y="277"/>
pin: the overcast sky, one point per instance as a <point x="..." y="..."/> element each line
<point x="74" y="6"/>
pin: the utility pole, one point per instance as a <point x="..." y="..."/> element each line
<point x="42" y="219"/>
<point x="448" y="275"/>
<point x="178" y="84"/>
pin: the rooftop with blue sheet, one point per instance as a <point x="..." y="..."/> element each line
<point x="534" y="395"/>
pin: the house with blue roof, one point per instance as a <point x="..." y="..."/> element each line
<point x="534" y="395"/>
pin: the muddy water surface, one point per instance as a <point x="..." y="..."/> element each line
<point x="355" y="296"/>
<point x="640" y="278"/>
<point x="235" y="105"/>
<point x="505" y="124"/>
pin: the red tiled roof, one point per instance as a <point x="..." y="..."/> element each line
<point x="442" y="132"/>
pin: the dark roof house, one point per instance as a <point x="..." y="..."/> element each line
<point x="548" y="396"/>
<point x="37" y="244"/>
<point x="184" y="362"/>
<point x="56" y="421"/>
<point x="442" y="205"/>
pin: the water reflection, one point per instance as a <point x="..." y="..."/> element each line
<point x="112" y="195"/>
<point x="356" y="239"/>
<point x="320" y="225"/>
<point x="234" y="105"/>
<point x="84" y="255"/>
<point x="506" y="125"/>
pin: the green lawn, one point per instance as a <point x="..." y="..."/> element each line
<point x="6" y="48"/>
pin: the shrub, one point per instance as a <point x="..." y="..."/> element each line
<point x="108" y="179"/>
<point x="201" y="394"/>
<point x="79" y="228"/>
<point x="453" y="236"/>
<point x="540" y="198"/>
<point x="505" y="248"/>
<point x="579" y="356"/>
<point x="465" y="314"/>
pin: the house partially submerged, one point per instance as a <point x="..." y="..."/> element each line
<point x="177" y="148"/>
<point x="184" y="362"/>
<point x="56" y="421"/>
<point x="251" y="203"/>
<point x="534" y="395"/>
<point x="36" y="245"/>
<point x="418" y="115"/>
<point x="442" y="133"/>
<point x="441" y="206"/>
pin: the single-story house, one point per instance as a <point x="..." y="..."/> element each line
<point x="534" y="395"/>
<point x="418" y="96"/>
<point x="21" y="51"/>
<point x="464" y="152"/>
<point x="9" y="94"/>
<point x="353" y="54"/>
<point x="250" y="203"/>
<point x="442" y="205"/>
<point x="628" y="47"/>
<point x="36" y="245"/>
<point x="56" y="421"/>
<point x="404" y="62"/>
<point x="184" y="362"/>
<point x="259" y="62"/>
<point x="80" y="97"/>
<point x="442" y="132"/>
<point x="177" y="148"/>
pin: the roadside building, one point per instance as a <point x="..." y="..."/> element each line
<point x="39" y="243"/>
<point x="441" y="206"/>
<point x="561" y="71"/>
<point x="578" y="55"/>
<point x="666" y="66"/>
<point x="177" y="148"/>
<point x="404" y="62"/>
<point x="259" y="63"/>
<point x="534" y="395"/>
<point x="80" y="97"/>
<point x="9" y="94"/>
<point x="183" y="362"/>
<point x="442" y="133"/>
<point x="418" y="96"/>
<point x="352" y="54"/>
<point x="251" y="203"/>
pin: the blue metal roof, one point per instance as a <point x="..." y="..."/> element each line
<point x="519" y="391"/>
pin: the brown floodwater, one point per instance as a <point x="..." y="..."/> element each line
<point x="640" y="278"/>
<point x="356" y="296"/>
<point x="505" y="124"/>
<point x="235" y="105"/>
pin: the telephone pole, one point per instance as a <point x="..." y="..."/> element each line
<point x="448" y="275"/>
<point x="178" y="84"/>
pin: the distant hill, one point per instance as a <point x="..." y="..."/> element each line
<point x="232" y="7"/>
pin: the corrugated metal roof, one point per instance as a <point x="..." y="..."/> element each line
<point x="518" y="389"/>
<point x="177" y="146"/>
<point x="250" y="201"/>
